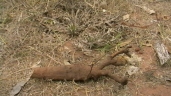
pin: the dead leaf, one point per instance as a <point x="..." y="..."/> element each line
<point x="103" y="10"/>
<point x="66" y="62"/>
<point x="17" y="88"/>
<point x="37" y="64"/>
<point x="166" y="17"/>
<point x="126" y="17"/>
<point x="151" y="12"/>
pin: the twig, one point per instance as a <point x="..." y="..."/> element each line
<point x="126" y="51"/>
<point x="89" y="4"/>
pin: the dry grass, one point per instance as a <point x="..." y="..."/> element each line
<point x="37" y="30"/>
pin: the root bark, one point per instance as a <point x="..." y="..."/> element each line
<point x="80" y="72"/>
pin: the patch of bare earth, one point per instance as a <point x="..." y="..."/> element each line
<point x="151" y="81"/>
<point x="51" y="33"/>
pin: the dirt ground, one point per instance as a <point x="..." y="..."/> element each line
<point x="55" y="32"/>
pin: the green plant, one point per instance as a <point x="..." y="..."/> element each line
<point x="105" y="48"/>
<point x="72" y="30"/>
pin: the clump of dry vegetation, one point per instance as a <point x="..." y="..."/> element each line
<point x="36" y="31"/>
<point x="60" y="32"/>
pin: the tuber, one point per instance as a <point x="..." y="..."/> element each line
<point x="80" y="72"/>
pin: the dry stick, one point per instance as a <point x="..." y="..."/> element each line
<point x="126" y="51"/>
<point x="89" y="4"/>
